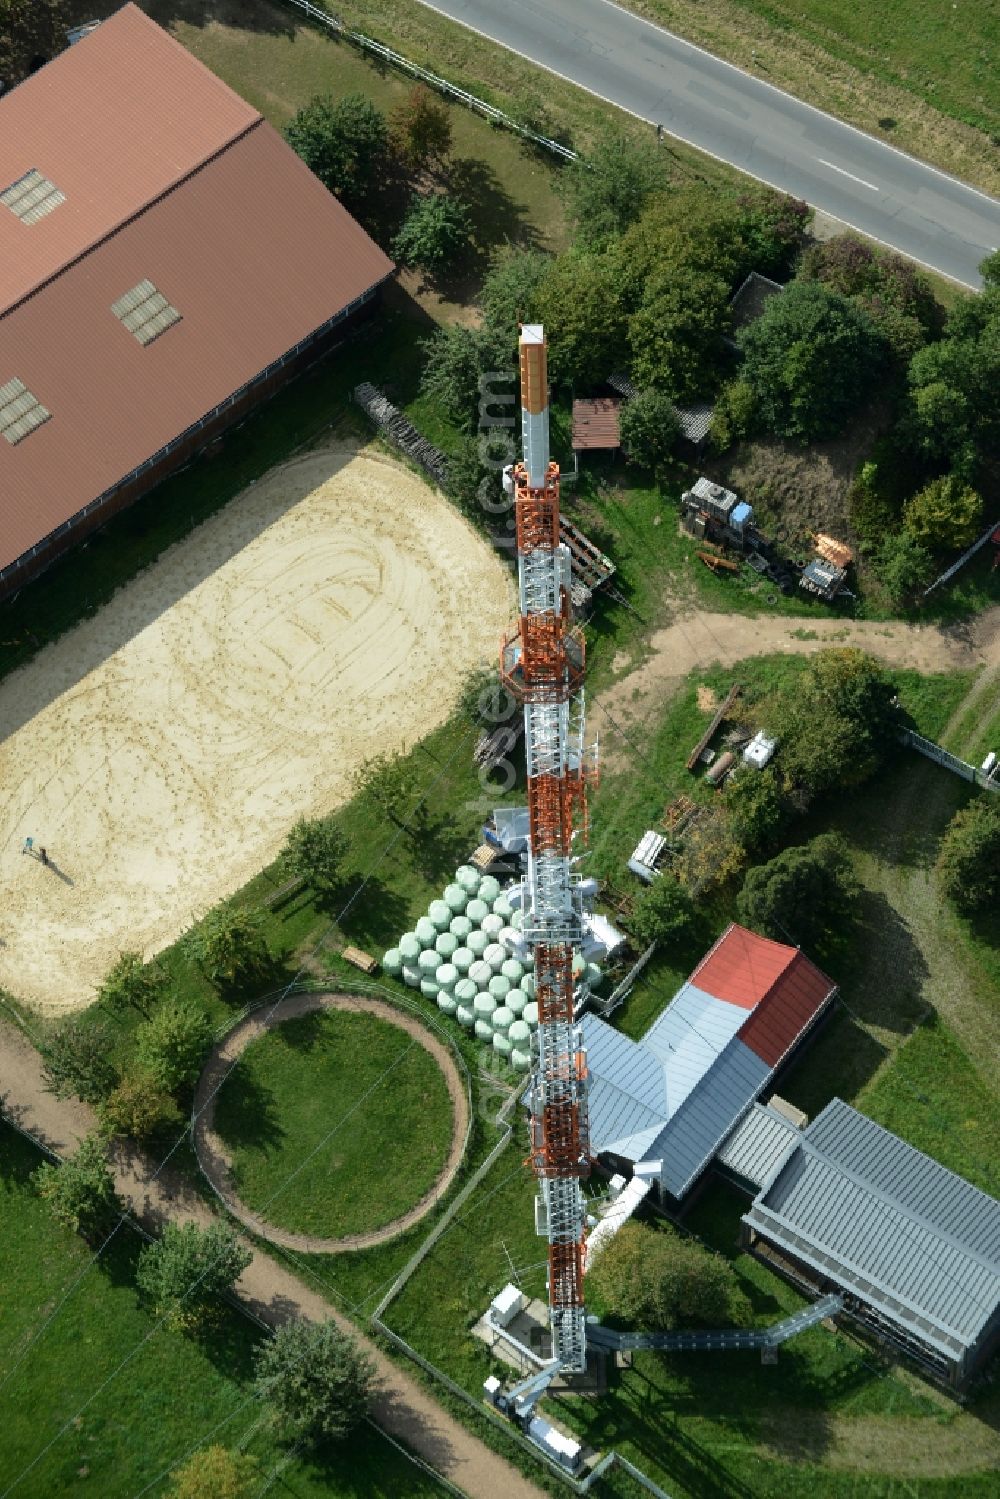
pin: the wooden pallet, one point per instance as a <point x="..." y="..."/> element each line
<point x="359" y="959"/>
<point x="717" y="564"/>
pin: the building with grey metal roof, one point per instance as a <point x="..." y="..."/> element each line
<point x="914" y="1247"/>
<point x="758" y="1146"/>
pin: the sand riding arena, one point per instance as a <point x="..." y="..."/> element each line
<point x="161" y="751"/>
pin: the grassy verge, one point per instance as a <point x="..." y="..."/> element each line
<point x="173" y="1392"/>
<point x="275" y="1111"/>
<point x="920" y="75"/>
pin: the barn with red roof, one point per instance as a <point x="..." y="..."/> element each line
<point x="672" y="1098"/>
<point x="166" y="261"/>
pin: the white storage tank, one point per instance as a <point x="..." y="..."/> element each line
<point x="465" y="1017"/>
<point x="484" y="1006"/>
<point x="483" y="1029"/>
<point x="530" y="1015"/>
<point x="519" y="1034"/>
<point x="502" y="907"/>
<point x="512" y="969"/>
<point x="528" y="985"/>
<point x="465" y="992"/>
<point x="520" y="1059"/>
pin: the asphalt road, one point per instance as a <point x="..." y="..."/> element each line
<point x="916" y="209"/>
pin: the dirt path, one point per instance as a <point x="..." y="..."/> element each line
<point x="402" y="1407"/>
<point x="215" y="1160"/>
<point x="699" y="638"/>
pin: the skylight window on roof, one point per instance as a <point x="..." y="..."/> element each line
<point x="145" y="312"/>
<point x="32" y="196"/>
<point x="20" y="411"/>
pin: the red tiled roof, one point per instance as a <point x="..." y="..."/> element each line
<point x="777" y="984"/>
<point x="742" y="967"/>
<point x="595" y="423"/>
<point x="251" y="249"/>
<point x="113" y="123"/>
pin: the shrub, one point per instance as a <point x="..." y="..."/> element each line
<point x="230" y="946"/>
<point x="946" y="515"/>
<point x="969" y="862"/>
<point x="903" y="567"/>
<point x="76" y="1060"/>
<point x="511" y="294"/>
<point x="456" y="358"/>
<point x="132" y="985"/>
<point x="315" y="851"/>
<point x="839" y="724"/>
<point x="421" y="128"/>
<point x="187" y="1267"/>
<point x="675" y="335"/>
<point x="649" y="429"/>
<point x="344" y="142"/>
<point x="316" y="1380"/>
<point x="606" y="191"/>
<point x="755" y="805"/>
<point x="215" y="1473"/>
<point x="894" y="293"/>
<point x="733" y="415"/>
<point x="810" y="358"/>
<point x="172" y="1046"/>
<point x="81" y="1189"/>
<point x="663" y="912"/>
<point x="390" y="781"/>
<point x="802" y="895"/>
<point x="654" y="1279"/>
<point x="139" y="1108"/>
<point x="580" y="306"/>
<point x="436" y="233"/>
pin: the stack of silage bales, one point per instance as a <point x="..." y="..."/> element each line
<point x="469" y="956"/>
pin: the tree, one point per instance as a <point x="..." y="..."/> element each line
<point x="230" y="945"/>
<point x="132" y="985"/>
<point x="663" y="912"/>
<point x="315" y="851"/>
<point x="607" y="191"/>
<point x="656" y="1280"/>
<point x="139" y="1108"/>
<point x="945" y="516"/>
<point x="579" y="304"/>
<point x="171" y="1047"/>
<point x="755" y="805"/>
<point x="903" y="566"/>
<point x="81" y="1189"/>
<point x="802" y="894"/>
<point x="436" y="233"/>
<point x="316" y="1379"/>
<point x="187" y="1267"/>
<point x="953" y="413"/>
<point x="839" y="723"/>
<point x="76" y="1061"/>
<point x="390" y="781"/>
<point x="675" y="336"/>
<point x="733" y="415"/>
<point x="811" y="357"/>
<point x="215" y="1473"/>
<point x="420" y="126"/>
<point x="344" y="142"/>
<point x="31" y="32"/>
<point x="456" y="359"/>
<point x="510" y="294"/>
<point x="897" y="297"/>
<point x="771" y="229"/>
<point x="968" y="865"/>
<point x="649" y="428"/>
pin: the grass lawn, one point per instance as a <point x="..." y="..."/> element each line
<point x="335" y="1094"/>
<point x="172" y="1393"/>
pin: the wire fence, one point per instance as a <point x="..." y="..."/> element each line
<point x="440" y="85"/>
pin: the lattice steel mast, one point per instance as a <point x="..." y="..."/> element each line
<point x="543" y="665"/>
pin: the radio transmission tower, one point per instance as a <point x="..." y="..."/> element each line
<point x="543" y="665"/>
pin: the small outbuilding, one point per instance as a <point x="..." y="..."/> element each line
<point x="913" y="1248"/>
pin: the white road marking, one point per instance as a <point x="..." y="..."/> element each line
<point x="860" y="180"/>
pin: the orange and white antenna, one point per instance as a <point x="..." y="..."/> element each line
<point x="543" y="666"/>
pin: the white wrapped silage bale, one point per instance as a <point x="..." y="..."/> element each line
<point x="465" y="1017"/>
<point x="426" y="932"/>
<point x="428" y="988"/>
<point x="446" y="944"/>
<point x="440" y="913"/>
<point x="501" y="1044"/>
<point x="480" y="973"/>
<point x="456" y="899"/>
<point x="477" y="942"/>
<point x="392" y="962"/>
<point x="489" y="889"/>
<point x="429" y="962"/>
<point x="462" y="959"/>
<point x="503" y="1019"/>
<point x="476" y="910"/>
<point x="495" y="956"/>
<point x="499" y="987"/>
<point x="411" y="975"/>
<point x="520" y="1034"/>
<point x="409" y="947"/>
<point x="484" y="1030"/>
<point x="513" y="970"/>
<point x="447" y="1003"/>
<point x="516" y="1001"/>
<point x="460" y="927"/>
<point x="446" y="977"/>
<point x="521" y="1060"/>
<point x="469" y="878"/>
